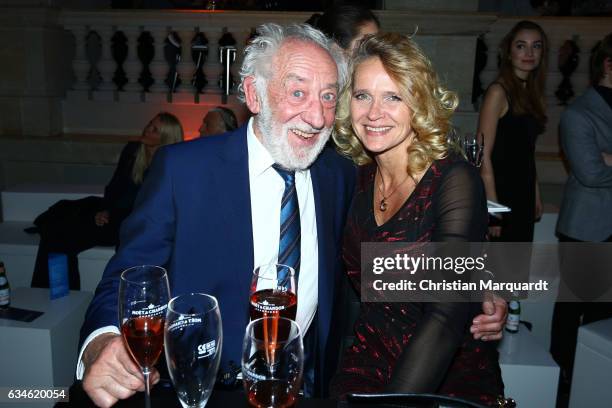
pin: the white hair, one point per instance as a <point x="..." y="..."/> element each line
<point x="259" y="55"/>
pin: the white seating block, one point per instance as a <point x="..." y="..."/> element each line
<point x="530" y="374"/>
<point x="20" y="206"/>
<point x="591" y="381"/>
<point x="25" y="202"/>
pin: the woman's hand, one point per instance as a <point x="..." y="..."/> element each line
<point x="495" y="231"/>
<point x="102" y="218"/>
<point x="495" y="225"/>
<point x="607" y="158"/>
<point x="539" y="209"/>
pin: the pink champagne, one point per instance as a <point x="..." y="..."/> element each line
<point x="268" y="393"/>
<point x="273" y="303"/>
<point x="145" y="339"/>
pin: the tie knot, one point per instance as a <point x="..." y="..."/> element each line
<point x="287" y="175"/>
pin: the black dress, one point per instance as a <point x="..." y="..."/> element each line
<point x="419" y="347"/>
<point x="69" y="226"/>
<point x="513" y="160"/>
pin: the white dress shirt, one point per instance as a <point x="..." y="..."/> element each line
<point x="267" y="187"/>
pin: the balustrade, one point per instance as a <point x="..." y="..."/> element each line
<point x="450" y="41"/>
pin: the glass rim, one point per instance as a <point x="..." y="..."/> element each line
<point x="215" y="303"/>
<point x="132" y="268"/>
<point x="252" y="323"/>
<point x="273" y="263"/>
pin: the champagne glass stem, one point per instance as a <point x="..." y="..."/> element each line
<point x="147" y="374"/>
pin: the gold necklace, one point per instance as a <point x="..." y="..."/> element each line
<point x="381" y="187"/>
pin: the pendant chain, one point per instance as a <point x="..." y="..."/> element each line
<point x="381" y="187"/>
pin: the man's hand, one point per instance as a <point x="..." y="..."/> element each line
<point x="489" y="326"/>
<point x="110" y="372"/>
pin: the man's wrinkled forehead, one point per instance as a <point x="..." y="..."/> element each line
<point x="296" y="58"/>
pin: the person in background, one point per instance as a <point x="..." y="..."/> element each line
<point x="218" y="120"/>
<point x="346" y="24"/>
<point x="513" y="114"/>
<point x="393" y="119"/>
<point x="586" y="209"/>
<point x="70" y="227"/>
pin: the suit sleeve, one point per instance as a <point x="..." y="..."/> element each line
<point x="583" y="153"/>
<point x="146" y="237"/>
<point x="461" y="216"/>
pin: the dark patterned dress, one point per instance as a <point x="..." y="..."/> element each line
<point x="419" y="347"/>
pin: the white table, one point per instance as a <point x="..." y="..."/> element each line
<point x="530" y="374"/>
<point x="44" y="351"/>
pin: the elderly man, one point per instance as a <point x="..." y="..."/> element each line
<point x="210" y="210"/>
<point x="211" y="229"/>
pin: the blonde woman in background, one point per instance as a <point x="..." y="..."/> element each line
<point x="70" y="227"/>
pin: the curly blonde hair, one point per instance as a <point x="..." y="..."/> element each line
<point x="431" y="104"/>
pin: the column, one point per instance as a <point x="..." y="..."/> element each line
<point x="132" y="65"/>
<point x="106" y="65"/>
<point x="159" y="66"/>
<point x="80" y="65"/>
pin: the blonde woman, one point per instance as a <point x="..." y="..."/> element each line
<point x="71" y="227"/>
<point x="393" y="118"/>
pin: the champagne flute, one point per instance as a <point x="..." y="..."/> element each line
<point x="143" y="298"/>
<point x="193" y="338"/>
<point x="273" y="292"/>
<point x="272" y="383"/>
<point x="473" y="147"/>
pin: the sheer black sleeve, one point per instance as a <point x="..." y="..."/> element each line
<point x="461" y="215"/>
<point x="461" y="206"/>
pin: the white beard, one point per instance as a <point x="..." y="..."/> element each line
<point x="275" y="139"/>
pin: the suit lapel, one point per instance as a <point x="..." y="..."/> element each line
<point x="234" y="197"/>
<point x="323" y="185"/>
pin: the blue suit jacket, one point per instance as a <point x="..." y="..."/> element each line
<point x="193" y="215"/>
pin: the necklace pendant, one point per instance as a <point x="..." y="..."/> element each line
<point x="383" y="205"/>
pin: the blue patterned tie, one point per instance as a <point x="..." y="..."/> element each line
<point x="289" y="239"/>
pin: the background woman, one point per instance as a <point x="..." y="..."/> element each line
<point x="512" y="116"/>
<point x="71" y="227"/>
<point x="393" y="119"/>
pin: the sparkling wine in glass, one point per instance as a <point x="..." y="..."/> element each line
<point x="193" y="337"/>
<point x="272" y="383"/>
<point x="273" y="292"/>
<point x="143" y="297"/>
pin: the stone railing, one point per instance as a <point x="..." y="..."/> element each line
<point x="107" y="45"/>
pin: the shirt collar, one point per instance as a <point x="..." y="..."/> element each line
<point x="259" y="158"/>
